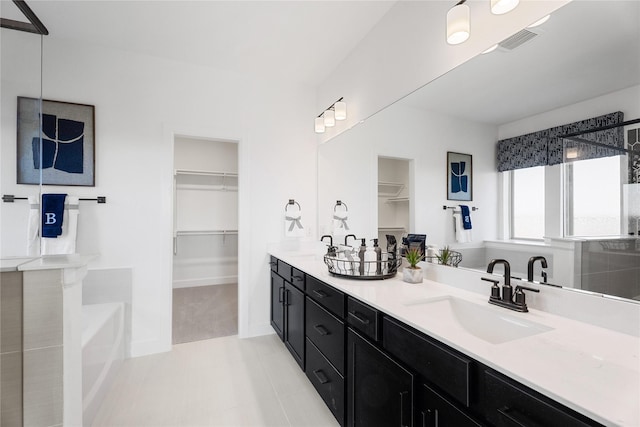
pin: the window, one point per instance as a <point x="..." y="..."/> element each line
<point x="527" y="203"/>
<point x="592" y="203"/>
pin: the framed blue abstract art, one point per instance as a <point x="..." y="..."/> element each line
<point x="459" y="177"/>
<point x="66" y="155"/>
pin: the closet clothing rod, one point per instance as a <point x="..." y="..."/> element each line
<point x="10" y="198"/>
<point x="205" y="232"/>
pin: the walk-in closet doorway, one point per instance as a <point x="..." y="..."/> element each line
<point x="205" y="239"/>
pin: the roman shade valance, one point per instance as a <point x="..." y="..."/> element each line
<point x="545" y="147"/>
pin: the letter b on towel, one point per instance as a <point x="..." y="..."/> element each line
<point x="50" y="218"/>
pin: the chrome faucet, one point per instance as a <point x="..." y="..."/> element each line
<point x="532" y="261"/>
<point x="508" y="299"/>
<point x="331" y="250"/>
<point x="347" y="236"/>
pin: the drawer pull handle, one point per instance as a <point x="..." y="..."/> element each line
<point x="321" y="376"/>
<point x="280" y="296"/>
<point x="517" y="418"/>
<point x="430" y="418"/>
<point x="273" y="263"/>
<point x="320" y="294"/>
<point x="322" y="330"/>
<point x="300" y="278"/>
<point x="403" y="409"/>
<point x="359" y="317"/>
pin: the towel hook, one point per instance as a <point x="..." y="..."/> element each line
<point x="292" y="202"/>
<point x="341" y="203"/>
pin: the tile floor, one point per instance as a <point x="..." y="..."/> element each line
<point x="218" y="382"/>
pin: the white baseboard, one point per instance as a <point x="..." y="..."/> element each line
<point x="204" y="281"/>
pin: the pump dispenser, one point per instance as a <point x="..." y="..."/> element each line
<point x="370" y="260"/>
<point x="378" y="258"/>
<point x="361" y="255"/>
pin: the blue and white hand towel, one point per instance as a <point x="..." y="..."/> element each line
<point x="52" y="214"/>
<point x="466" y="217"/>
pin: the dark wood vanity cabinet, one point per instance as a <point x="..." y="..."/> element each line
<point x="374" y="370"/>
<point x="379" y="390"/>
<point x="287" y="308"/>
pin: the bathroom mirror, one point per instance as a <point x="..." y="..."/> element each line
<point x="586" y="50"/>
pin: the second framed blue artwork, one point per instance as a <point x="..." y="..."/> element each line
<point x="459" y="177"/>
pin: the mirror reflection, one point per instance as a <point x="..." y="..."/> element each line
<point x="581" y="214"/>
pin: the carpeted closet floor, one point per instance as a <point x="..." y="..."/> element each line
<point x="204" y="312"/>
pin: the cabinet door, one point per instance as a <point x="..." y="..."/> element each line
<point x="277" y="304"/>
<point x="380" y="392"/>
<point x="435" y="410"/>
<point x="294" y="322"/>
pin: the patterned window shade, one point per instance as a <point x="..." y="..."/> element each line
<point x="545" y="147"/>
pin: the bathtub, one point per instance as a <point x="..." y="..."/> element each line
<point x="102" y="353"/>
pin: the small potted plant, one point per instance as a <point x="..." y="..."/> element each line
<point x="444" y="257"/>
<point x="412" y="273"/>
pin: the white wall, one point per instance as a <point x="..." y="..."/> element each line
<point x="407" y="49"/>
<point x="141" y="101"/>
<point x="348" y="167"/>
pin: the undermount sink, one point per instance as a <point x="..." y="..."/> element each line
<point x="482" y="322"/>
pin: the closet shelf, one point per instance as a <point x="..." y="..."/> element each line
<point x="391" y="229"/>
<point x="205" y="232"/>
<point x="397" y="199"/>
<point x="205" y="180"/>
<point x="389" y="189"/>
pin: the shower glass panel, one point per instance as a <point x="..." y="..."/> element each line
<point x="21" y="76"/>
<point x="602" y="208"/>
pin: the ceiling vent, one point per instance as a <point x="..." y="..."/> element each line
<point x="517" y="40"/>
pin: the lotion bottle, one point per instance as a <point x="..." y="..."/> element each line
<point x="378" y="257"/>
<point x="370" y="260"/>
<point x="361" y="253"/>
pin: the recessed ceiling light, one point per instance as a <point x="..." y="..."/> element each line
<point x="491" y="49"/>
<point x="540" y="21"/>
<point x="499" y="7"/>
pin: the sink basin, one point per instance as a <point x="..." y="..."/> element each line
<point x="480" y="321"/>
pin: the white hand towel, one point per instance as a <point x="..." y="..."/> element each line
<point x="33" y="227"/>
<point x="292" y="224"/>
<point x="462" y="235"/>
<point x="66" y="242"/>
<point x="340" y="226"/>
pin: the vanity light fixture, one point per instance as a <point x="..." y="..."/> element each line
<point x="458" y="27"/>
<point x="337" y="111"/>
<point x="500" y="7"/>
<point x="540" y="21"/>
<point x="329" y="118"/>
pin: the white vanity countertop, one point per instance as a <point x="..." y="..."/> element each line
<point x="592" y="370"/>
<point x="12" y="264"/>
<point x="52" y="262"/>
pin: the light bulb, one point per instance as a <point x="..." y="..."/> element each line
<point x="499" y="7"/>
<point x="329" y="118"/>
<point x="458" y="24"/>
<point x="319" y="125"/>
<point x="340" y="110"/>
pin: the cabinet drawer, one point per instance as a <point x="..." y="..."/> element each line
<point x="327" y="381"/>
<point x="284" y="270"/>
<point x="273" y="263"/>
<point x="511" y="404"/>
<point x="327" y="333"/>
<point x="436" y="410"/>
<point x="363" y="318"/>
<point x="328" y="297"/>
<point x="297" y="278"/>
<point x="437" y="364"/>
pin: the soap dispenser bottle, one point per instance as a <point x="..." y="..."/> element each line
<point x="370" y="260"/>
<point x="378" y="257"/>
<point x="361" y="253"/>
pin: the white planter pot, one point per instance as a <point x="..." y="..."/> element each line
<point x="412" y="275"/>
